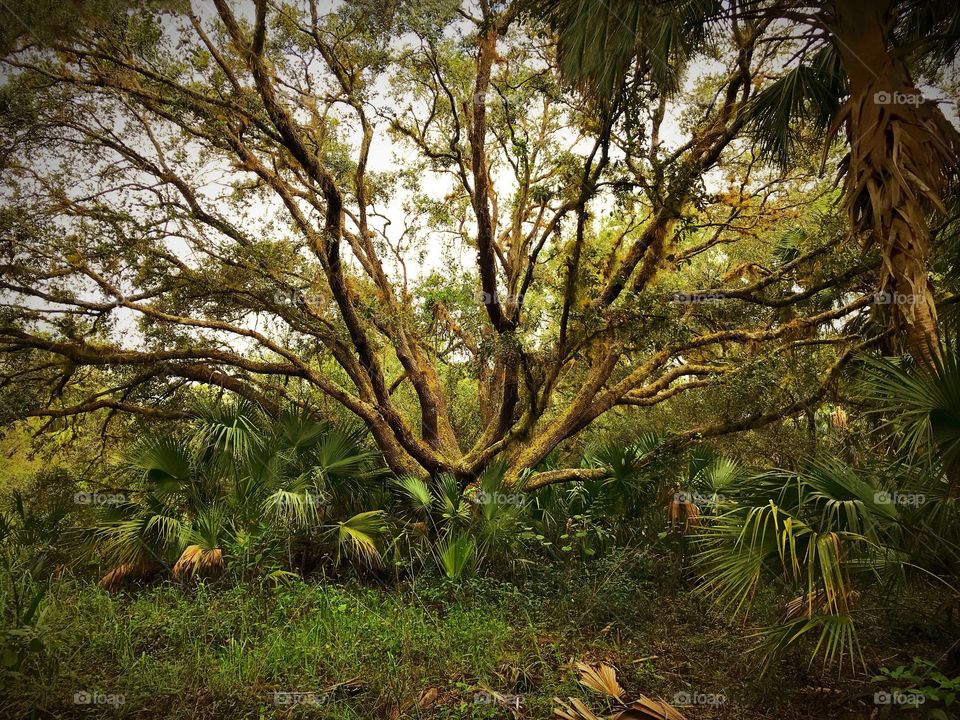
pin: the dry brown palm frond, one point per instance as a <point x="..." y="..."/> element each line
<point x="903" y="154"/>
<point x="573" y="709"/>
<point x="644" y="708"/>
<point x="601" y="679"/>
<point x="681" y="511"/>
<point x="838" y="418"/>
<point x="128" y="572"/>
<point x="197" y="561"/>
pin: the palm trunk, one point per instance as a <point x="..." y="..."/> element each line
<point x="901" y="152"/>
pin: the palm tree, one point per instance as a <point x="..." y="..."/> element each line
<point x="854" y="72"/>
<point x="235" y="483"/>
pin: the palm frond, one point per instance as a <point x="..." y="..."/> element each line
<point x="812" y="93"/>
<point x="457" y="555"/>
<point x="836" y="639"/>
<point x="416" y="491"/>
<point x="358" y="535"/>
<point x="231" y="426"/>
<point x="921" y="405"/>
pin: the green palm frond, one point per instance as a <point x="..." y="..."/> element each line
<point x="724" y="472"/>
<point x="648" y="442"/>
<point x="297" y="428"/>
<point x="836" y="639"/>
<point x="143" y="535"/>
<point x="165" y="461"/>
<point x="455" y="509"/>
<point x="416" y="491"/>
<point x="843" y="499"/>
<point x="231" y="427"/>
<point x="457" y="555"/>
<point x="210" y="529"/>
<point x="788" y="245"/>
<point x="297" y="508"/>
<point x="599" y="40"/>
<point x="358" y="535"/>
<point x="810" y="93"/>
<point x="921" y="405"/>
<point x="499" y="519"/>
<point x="620" y="461"/>
<point x="932" y="32"/>
<point x="342" y="457"/>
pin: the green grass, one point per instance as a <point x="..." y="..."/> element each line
<point x="220" y="652"/>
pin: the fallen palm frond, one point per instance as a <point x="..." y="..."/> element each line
<point x="573" y="709"/>
<point x="602" y="679"/>
<point x="645" y="708"/>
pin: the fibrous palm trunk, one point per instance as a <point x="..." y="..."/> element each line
<point x="903" y="152"/>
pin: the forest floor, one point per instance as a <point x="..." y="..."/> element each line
<point x="427" y="649"/>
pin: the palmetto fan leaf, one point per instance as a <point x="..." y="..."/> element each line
<point x="812" y="530"/>
<point x="836" y="638"/>
<point x="456" y="510"/>
<point x="239" y="475"/>
<point x="599" y="40"/>
<point x="602" y="679"/>
<point x="723" y="472"/>
<point x="339" y="454"/>
<point x="297" y="428"/>
<point x="619" y="460"/>
<point x="152" y="532"/>
<point x="416" y="491"/>
<point x="844" y="500"/>
<point x="164" y="461"/>
<point x="813" y="91"/>
<point x="358" y="535"/>
<point x="744" y="543"/>
<point x="297" y="507"/>
<point x="922" y="405"/>
<point x="228" y="427"/>
<point x="931" y="28"/>
<point x="457" y="554"/>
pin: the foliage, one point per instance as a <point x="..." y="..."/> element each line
<point x="239" y="487"/>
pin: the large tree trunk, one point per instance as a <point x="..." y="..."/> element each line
<point x="902" y="150"/>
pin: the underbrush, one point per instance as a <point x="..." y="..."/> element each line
<point x="424" y="649"/>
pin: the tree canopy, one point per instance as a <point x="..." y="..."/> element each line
<point x="419" y="213"/>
